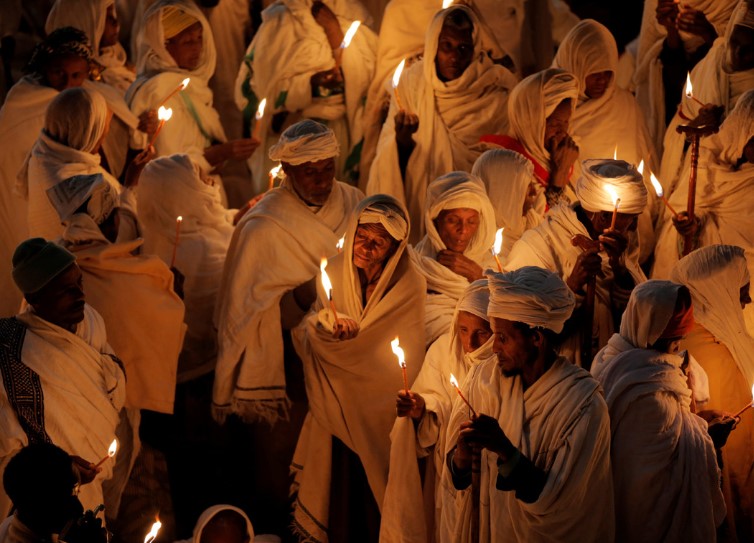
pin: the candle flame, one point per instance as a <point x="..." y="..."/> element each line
<point x="260" y="109"/>
<point x="152" y="534"/>
<point x="398" y="351"/>
<point x="613" y="194"/>
<point x="640" y="169"/>
<point x="113" y="448"/>
<point x="689" y="88"/>
<point x="326" y="284"/>
<point x="453" y="380"/>
<point x="398" y="72"/>
<point x="446" y="4"/>
<point x="350" y="34"/>
<point x="656" y="184"/>
<point x="275" y="171"/>
<point x="179" y="219"/>
<point x="164" y="113"/>
<point x="615" y="153"/>
<point x="185" y="83"/>
<point x="498" y="245"/>
<point x="752" y="394"/>
<point x="341" y="242"/>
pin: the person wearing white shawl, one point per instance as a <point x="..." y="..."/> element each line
<point x="511" y="187"/>
<point x="419" y="431"/>
<point x="671" y="42"/>
<point x="343" y="452"/>
<point x="719" y="80"/>
<point x="176" y="43"/>
<point x="62" y="382"/>
<point x="665" y="473"/>
<point x="539" y="112"/>
<point x="542" y="426"/>
<point x="438" y="127"/>
<point x="318" y="80"/>
<point x="718" y="279"/>
<point x="460" y="229"/>
<point x="175" y="186"/>
<point x="578" y="243"/>
<point x="224" y="523"/>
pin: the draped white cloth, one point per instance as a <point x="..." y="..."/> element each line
<point x="665" y="473"/>
<point x="444" y="286"/>
<point x="561" y="424"/>
<point x="650" y="92"/>
<point x="405" y="509"/>
<point x="452" y="115"/>
<point x="195" y="124"/>
<point x="174" y="186"/>
<point x="290" y="32"/>
<point x="84" y="391"/>
<point x="249" y="376"/>
<point x="351" y="393"/>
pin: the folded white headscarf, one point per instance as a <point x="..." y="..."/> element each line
<point x="618" y="174"/>
<point x="305" y="141"/>
<point x="77" y="118"/>
<point x="476" y="299"/>
<point x="531" y="295"/>
<point x="211" y="512"/>
<point x="383" y="211"/>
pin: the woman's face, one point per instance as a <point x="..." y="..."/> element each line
<point x="556" y="125"/>
<point x="186" y="48"/>
<point x="597" y="84"/>
<point x="112" y="28"/>
<point x="66" y="72"/>
<point x="457" y="227"/>
<point x="741" y="48"/>
<point x="473" y="331"/>
<point x="372" y="245"/>
<point x="455" y="50"/>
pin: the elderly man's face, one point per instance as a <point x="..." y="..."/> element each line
<point x="624" y="222"/>
<point x="312" y="181"/>
<point x="61" y="301"/>
<point x="372" y="245"/>
<point x="473" y="331"/>
<point x="514" y="349"/>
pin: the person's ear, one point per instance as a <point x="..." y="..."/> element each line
<point x="538" y="338"/>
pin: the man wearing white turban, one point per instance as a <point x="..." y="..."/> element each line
<point x="541" y="426"/>
<point x="580" y="243"/>
<point x="267" y="288"/>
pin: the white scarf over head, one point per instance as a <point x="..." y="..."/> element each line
<point x="531" y="295"/>
<point x="305" y="141"/>
<point x="210" y="513"/>
<point x="715" y="275"/>
<point x="600" y="175"/>
<point x="450" y="123"/>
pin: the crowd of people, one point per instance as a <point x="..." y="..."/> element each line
<point x="334" y="283"/>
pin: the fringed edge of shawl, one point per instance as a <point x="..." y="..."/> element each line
<point x="306" y="529"/>
<point x="270" y="411"/>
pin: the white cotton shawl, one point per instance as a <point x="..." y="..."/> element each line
<point x="276" y="247"/>
<point x="650" y="91"/>
<point x="209" y="514"/>
<point x="351" y="393"/>
<point x="621" y="177"/>
<point x="451" y="191"/>
<point x="406" y="513"/>
<point x="289" y="32"/>
<point x="89" y="17"/>
<point x="452" y="118"/>
<point x="170" y="187"/>
<point x="561" y="424"/>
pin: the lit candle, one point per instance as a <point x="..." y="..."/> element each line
<point x="497" y="247"/>
<point x="178" y="221"/>
<point x="454" y="382"/>
<point x="396" y="80"/>
<point x="747" y="405"/>
<point x="340" y="244"/>
<point x="689" y="90"/>
<point x="398" y="352"/>
<point x="349" y="34"/>
<point x="163" y="114"/>
<point x="258" y="118"/>
<point x="616" y="202"/>
<point x="110" y="453"/>
<point x="153" y="531"/>
<point x="327" y="285"/>
<point x="615" y="153"/>
<point x="273" y="174"/>
<point x="175" y="91"/>
<point x="446" y="4"/>
<point x="660" y="194"/>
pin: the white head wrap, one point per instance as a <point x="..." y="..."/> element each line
<point x="305" y="141"/>
<point x="649" y="310"/>
<point x="476" y="299"/>
<point x="77" y="118"/>
<point x="622" y="176"/>
<point x="735" y="132"/>
<point x="210" y="512"/>
<point x="388" y="214"/>
<point x="532" y="101"/>
<point x="531" y="295"/>
<point x="715" y="275"/>
<point x="460" y="190"/>
<point x="70" y="194"/>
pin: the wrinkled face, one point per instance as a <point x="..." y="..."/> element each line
<point x="455" y="49"/>
<point x="473" y="331"/>
<point x="556" y="125"/>
<point x="372" y="245"/>
<point x="744" y="295"/>
<point x="112" y="28"/>
<point x="186" y="48"/>
<point x="312" y="181"/>
<point x="624" y="222"/>
<point x="741" y="48"/>
<point x="66" y="72"/>
<point x="597" y="83"/>
<point x="61" y="301"/>
<point x="513" y="348"/>
<point x="457" y="227"/>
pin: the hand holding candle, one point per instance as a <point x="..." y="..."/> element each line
<point x="110" y="453"/>
<point x="497" y="247"/>
<point x="327" y="285"/>
<point x="616" y="202"/>
<point x="454" y="382"/>
<point x="398" y="352"/>
<point x="258" y="119"/>
<point x="163" y="114"/>
<point x="152" y="534"/>
<point x="178" y="221"/>
<point x="747" y="406"/>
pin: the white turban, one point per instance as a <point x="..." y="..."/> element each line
<point x="531" y="295"/>
<point x="70" y="194"/>
<point x="383" y="211"/>
<point x="305" y="141"/>
<point x="476" y="299"/>
<point x="622" y="176"/>
<point x="77" y="118"/>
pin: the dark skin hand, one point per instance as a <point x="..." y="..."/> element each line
<point x="133" y="172"/>
<point x="410" y="404"/>
<point x="709" y="115"/>
<point x="563" y="153"/>
<point x="86" y="470"/>
<point x="178" y="280"/>
<point x="345" y="329"/>
<point x="588" y="264"/>
<point x="685" y="226"/>
<point x="406" y="124"/>
<point x="695" y="22"/>
<point x="614" y="244"/>
<point x="148" y="122"/>
<point x="481" y="432"/>
<point x="461" y="265"/>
